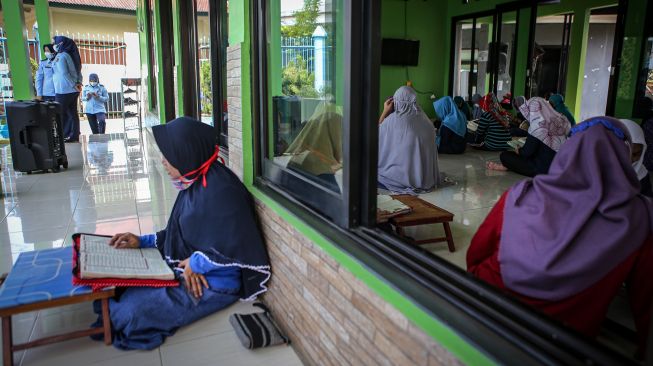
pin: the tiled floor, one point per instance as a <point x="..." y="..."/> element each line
<point x="113" y="184"/>
<point x="470" y="199"/>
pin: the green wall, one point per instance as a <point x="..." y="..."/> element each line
<point x="426" y="24"/>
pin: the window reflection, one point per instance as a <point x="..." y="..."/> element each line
<point x="306" y="108"/>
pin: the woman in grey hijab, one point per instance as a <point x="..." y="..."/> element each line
<point x="408" y="156"/>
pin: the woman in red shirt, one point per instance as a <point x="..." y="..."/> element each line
<point x="566" y="242"/>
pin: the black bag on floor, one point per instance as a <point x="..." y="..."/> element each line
<point x="36" y="136"/>
<point x="257" y="330"/>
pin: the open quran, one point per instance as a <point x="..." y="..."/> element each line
<point x="97" y="259"/>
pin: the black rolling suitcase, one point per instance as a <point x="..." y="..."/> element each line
<point x="36" y="136"/>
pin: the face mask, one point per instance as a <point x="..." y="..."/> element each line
<point x="93" y="83"/>
<point x="49" y="55"/>
<point x="181" y="183"/>
<point x="56" y="48"/>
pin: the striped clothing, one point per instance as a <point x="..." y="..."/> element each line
<point x="494" y="134"/>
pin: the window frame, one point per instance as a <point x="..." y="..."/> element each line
<point x="642" y="76"/>
<point x="219" y="43"/>
<point x="341" y="208"/>
<point x="499" y="325"/>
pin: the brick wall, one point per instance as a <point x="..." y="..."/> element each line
<point x="331" y="317"/>
<point x="234" y="106"/>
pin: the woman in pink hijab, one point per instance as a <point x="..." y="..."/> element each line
<point x="547" y="132"/>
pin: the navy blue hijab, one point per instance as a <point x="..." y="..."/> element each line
<point x="69" y="46"/>
<point x="217" y="220"/>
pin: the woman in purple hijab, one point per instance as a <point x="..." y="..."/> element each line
<point x="565" y="242"/>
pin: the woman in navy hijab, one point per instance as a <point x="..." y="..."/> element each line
<point x="212" y="240"/>
<point x="67" y="80"/>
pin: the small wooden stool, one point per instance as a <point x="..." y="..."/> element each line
<point x="423" y="213"/>
<point x="41" y="280"/>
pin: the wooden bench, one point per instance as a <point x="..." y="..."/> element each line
<point x="423" y="213"/>
<point x="42" y="280"/>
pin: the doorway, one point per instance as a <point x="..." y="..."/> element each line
<point x="599" y="62"/>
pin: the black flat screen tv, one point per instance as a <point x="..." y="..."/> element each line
<point x="399" y="52"/>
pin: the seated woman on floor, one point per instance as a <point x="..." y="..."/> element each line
<point x="639" y="149"/>
<point x="451" y="134"/>
<point x="566" y="242"/>
<point x="547" y="132"/>
<point x="463" y="107"/>
<point x="408" y="156"/>
<point x="493" y="131"/>
<point x="558" y="103"/>
<point x="316" y="153"/>
<point x="212" y="239"/>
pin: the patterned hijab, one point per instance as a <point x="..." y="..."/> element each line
<point x="490" y="104"/>
<point x="565" y="230"/>
<point x="546" y="124"/>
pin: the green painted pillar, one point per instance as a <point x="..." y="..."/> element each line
<point x="19" y="64"/>
<point x="576" y="63"/>
<point x="521" y="59"/>
<point x="43" y="19"/>
<point x="179" y="79"/>
<point x="159" y="61"/>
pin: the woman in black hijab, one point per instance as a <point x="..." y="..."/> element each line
<point x="212" y="240"/>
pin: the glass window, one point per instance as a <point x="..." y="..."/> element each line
<point x="302" y="145"/>
<point x="462" y="59"/>
<point x="204" y="62"/>
<point x="481" y="77"/>
<point x="504" y="54"/>
<point x="153" y="67"/>
<point x="482" y="64"/>
<point x="548" y="73"/>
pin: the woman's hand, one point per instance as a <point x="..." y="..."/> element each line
<point x="388" y="107"/>
<point x="125" y="240"/>
<point x="79" y="87"/>
<point x="194" y="281"/>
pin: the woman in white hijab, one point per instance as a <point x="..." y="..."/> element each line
<point x="638" y="149"/>
<point x="408" y="156"/>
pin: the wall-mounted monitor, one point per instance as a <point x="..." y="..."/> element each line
<point x="399" y="52"/>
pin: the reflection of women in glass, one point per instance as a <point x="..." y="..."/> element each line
<point x="494" y="125"/>
<point x="547" y="132"/>
<point x="451" y="135"/>
<point x="566" y="242"/>
<point x="317" y="150"/>
<point x="212" y="238"/>
<point x="408" y="156"/>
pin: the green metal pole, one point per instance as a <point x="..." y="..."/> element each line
<point x="179" y="80"/>
<point x="43" y="19"/>
<point x="576" y="64"/>
<point x="19" y="64"/>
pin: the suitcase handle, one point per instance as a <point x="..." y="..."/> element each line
<point x="23" y="138"/>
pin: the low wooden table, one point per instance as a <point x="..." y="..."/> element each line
<point x="423" y="213"/>
<point x="42" y="280"/>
